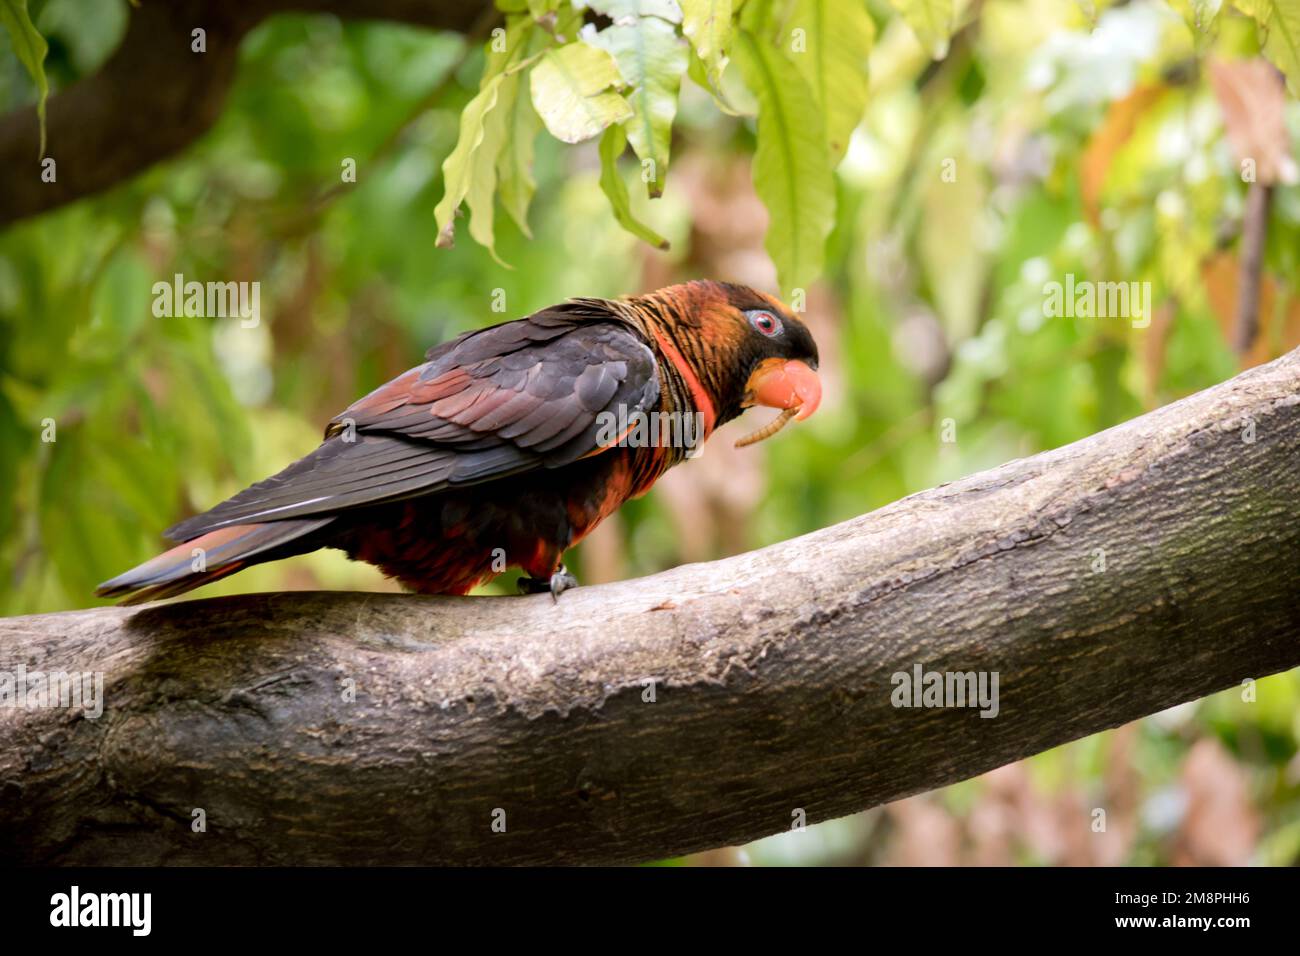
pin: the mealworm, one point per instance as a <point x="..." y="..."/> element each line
<point x="768" y="430"/>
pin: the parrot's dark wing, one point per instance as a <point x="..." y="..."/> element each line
<point x="496" y="402"/>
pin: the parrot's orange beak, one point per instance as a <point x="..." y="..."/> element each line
<point x="782" y="383"/>
<point x="787" y="384"/>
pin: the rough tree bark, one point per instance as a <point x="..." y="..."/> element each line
<point x="772" y="671"/>
<point x="155" y="95"/>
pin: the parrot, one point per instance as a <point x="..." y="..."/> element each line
<point x="509" y="444"/>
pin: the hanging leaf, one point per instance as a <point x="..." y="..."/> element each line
<point x="698" y="72"/>
<point x="30" y="48"/>
<point x="480" y="197"/>
<point x="653" y="59"/>
<point x="571" y="92"/>
<point x="459" y="167"/>
<point x="611" y="183"/>
<point x="471" y="166"/>
<point x="514" y="171"/>
<point x="792" y="167"/>
<point x="830" y="41"/>
<point x="931" y="20"/>
<point x="707" y="25"/>
<point x="515" y="162"/>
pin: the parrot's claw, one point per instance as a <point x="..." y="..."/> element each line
<point x="557" y="584"/>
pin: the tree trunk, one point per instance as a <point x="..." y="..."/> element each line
<point x="1147" y="565"/>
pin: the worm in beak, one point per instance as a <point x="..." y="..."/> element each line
<point x="787" y="384"/>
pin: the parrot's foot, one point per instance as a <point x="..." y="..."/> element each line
<point x="557" y="583"/>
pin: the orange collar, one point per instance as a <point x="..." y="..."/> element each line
<point x="703" y="404"/>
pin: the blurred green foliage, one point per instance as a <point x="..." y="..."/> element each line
<point x="1085" y="139"/>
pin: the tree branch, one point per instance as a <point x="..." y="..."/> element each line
<point x="1254" y="238"/>
<point x="1147" y="565"/>
<point x="155" y="95"/>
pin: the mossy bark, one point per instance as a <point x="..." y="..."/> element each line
<point x="1147" y="565"/>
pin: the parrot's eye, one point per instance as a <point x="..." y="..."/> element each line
<point x="765" y="322"/>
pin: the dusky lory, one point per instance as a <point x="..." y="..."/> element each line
<point x="509" y="444"/>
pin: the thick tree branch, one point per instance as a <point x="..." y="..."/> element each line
<point x="155" y="95"/>
<point x="1147" y="565"/>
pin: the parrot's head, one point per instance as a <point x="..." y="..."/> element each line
<point x="744" y="347"/>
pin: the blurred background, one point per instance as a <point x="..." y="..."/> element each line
<point x="1088" y="139"/>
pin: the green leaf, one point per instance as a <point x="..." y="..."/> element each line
<point x="611" y="183"/>
<point x="831" y="54"/>
<point x="470" y="166"/>
<point x="515" y="162"/>
<point x="571" y="92"/>
<point x="620" y="9"/>
<point x="707" y="24"/>
<point x="514" y="171"/>
<point x="459" y="167"/>
<point x="30" y="48"/>
<point x="653" y="59"/>
<point x="792" y="166"/>
<point x="480" y="197"/>
<point x="698" y="72"/>
<point x="762" y="18"/>
<point x="1279" y="21"/>
<point x="931" y="20"/>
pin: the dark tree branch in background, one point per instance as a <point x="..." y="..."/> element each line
<point x="1147" y="565"/>
<point x="154" y="96"/>
<point x="1254" y="236"/>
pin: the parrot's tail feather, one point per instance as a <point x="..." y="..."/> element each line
<point x="210" y="557"/>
